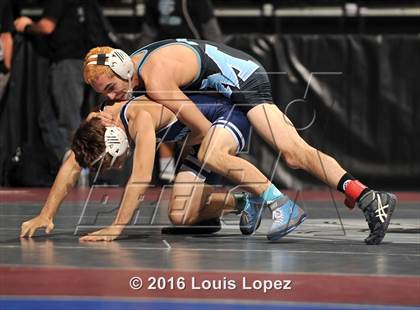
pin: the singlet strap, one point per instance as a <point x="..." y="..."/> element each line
<point x="124" y="120"/>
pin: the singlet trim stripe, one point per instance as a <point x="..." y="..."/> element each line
<point x="237" y="134"/>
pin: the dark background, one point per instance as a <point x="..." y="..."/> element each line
<point x="355" y="65"/>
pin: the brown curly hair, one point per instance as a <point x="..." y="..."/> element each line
<point x="88" y="143"/>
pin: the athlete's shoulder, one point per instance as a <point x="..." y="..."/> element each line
<point x="152" y="46"/>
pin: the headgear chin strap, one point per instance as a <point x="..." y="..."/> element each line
<point x="116" y="144"/>
<point x="119" y="62"/>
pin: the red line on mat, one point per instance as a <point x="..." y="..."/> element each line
<point x="354" y="289"/>
<point x="39" y="195"/>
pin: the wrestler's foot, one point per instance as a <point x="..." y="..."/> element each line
<point x="250" y="217"/>
<point x="287" y="215"/>
<point x="377" y="208"/>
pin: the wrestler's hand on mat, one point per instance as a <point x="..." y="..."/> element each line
<point x="109" y="233"/>
<point x="41" y="221"/>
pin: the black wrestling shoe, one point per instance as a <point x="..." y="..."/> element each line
<point x="206" y="227"/>
<point x="377" y="208"/>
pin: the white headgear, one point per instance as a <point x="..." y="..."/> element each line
<point x="116" y="144"/>
<point x="117" y="60"/>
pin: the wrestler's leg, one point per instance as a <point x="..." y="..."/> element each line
<point x="218" y="153"/>
<point x="193" y="201"/>
<point x="277" y="130"/>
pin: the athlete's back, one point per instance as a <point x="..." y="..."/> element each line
<point x="224" y="69"/>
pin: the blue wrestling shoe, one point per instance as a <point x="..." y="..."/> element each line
<point x="253" y="209"/>
<point x="287" y="215"/>
<point x="250" y="217"/>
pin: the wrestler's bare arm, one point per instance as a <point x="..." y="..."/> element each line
<point x="64" y="182"/>
<point x="164" y="88"/>
<point x="144" y="156"/>
<point x="143" y="132"/>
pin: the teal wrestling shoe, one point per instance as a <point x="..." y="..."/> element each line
<point x="253" y="209"/>
<point x="250" y="217"/>
<point x="287" y="215"/>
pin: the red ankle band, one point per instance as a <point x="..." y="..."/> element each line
<point x="354" y="189"/>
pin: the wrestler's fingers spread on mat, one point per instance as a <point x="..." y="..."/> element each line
<point x="106" y="234"/>
<point x="29" y="227"/>
<point x="32" y="230"/>
<point x="49" y="228"/>
<point x="24" y="229"/>
<point x="94" y="238"/>
<point x="89" y="237"/>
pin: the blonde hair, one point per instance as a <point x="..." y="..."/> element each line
<point x="91" y="72"/>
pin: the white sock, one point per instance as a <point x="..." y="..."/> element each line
<point x="167" y="168"/>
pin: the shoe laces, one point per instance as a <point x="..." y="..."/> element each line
<point x="380" y="211"/>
